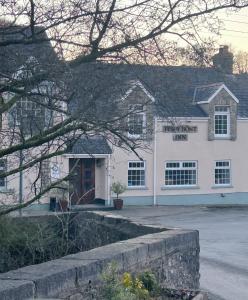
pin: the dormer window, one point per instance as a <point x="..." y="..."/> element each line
<point x="136" y="121"/>
<point x="221" y="105"/>
<point x="222" y="121"/>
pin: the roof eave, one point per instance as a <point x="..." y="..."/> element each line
<point x="223" y="86"/>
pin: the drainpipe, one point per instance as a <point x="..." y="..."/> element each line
<point x="20" y="182"/>
<point x="108" y="181"/>
<point x="155" y="163"/>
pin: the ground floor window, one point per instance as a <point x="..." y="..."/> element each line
<point x="3" y="168"/>
<point x="180" y="173"/>
<point x="136" y="173"/>
<point x="222" y="172"/>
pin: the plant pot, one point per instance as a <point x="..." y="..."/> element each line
<point x="118" y="203"/>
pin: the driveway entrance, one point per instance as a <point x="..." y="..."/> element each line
<point x="223" y="242"/>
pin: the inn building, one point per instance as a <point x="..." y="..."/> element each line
<point x="192" y="128"/>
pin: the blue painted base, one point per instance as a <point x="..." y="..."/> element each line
<point x="40" y="207"/>
<point x="207" y="199"/>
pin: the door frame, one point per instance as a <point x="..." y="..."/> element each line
<point x="108" y="175"/>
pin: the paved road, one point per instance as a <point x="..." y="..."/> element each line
<point x="223" y="241"/>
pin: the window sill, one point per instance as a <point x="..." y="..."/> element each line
<point x="4" y="190"/>
<point x="222" y="138"/>
<point x="222" y="186"/>
<point x="192" y="187"/>
<point x="137" y="188"/>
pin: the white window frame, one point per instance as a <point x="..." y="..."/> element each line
<point x="135" y="169"/>
<point x="222" y="113"/>
<point x="180" y="168"/>
<point x="28" y="105"/>
<point x="223" y="168"/>
<point x="143" y="114"/>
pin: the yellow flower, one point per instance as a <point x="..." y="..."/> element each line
<point x="138" y="284"/>
<point x="127" y="280"/>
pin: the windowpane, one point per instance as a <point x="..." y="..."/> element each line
<point x="181" y="173"/>
<point x="30" y="115"/>
<point x="221" y="120"/>
<point x="222" y="173"/>
<point x="221" y="124"/>
<point x="136" y="123"/>
<point x="221" y="108"/>
<point x="136" y="165"/>
<point x="189" y="164"/>
<point x="136" y="174"/>
<point x="172" y="165"/>
<point x="222" y="163"/>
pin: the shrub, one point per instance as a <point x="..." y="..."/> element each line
<point x="149" y="281"/>
<point x="113" y="289"/>
<point x="118" y="188"/>
<point x="24" y="242"/>
<point x="127" y="287"/>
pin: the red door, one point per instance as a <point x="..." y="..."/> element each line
<point x="82" y="182"/>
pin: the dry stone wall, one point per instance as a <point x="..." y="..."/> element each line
<point x="173" y="255"/>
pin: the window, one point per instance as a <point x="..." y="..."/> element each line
<point x="3" y="168"/>
<point x="180" y="173"/>
<point x="222" y="172"/>
<point x="136" y="174"/>
<point x="136" y="120"/>
<point x="222" y="121"/>
<point x="29" y="116"/>
<point x="28" y="109"/>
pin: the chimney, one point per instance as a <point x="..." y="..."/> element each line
<point x="223" y="60"/>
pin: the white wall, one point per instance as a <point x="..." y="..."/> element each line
<point x="196" y="148"/>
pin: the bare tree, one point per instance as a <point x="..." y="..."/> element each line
<point x="241" y="62"/>
<point x="40" y="117"/>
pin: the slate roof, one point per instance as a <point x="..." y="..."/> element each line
<point x="15" y="55"/>
<point x="173" y="87"/>
<point x="204" y="92"/>
<point x="91" y="145"/>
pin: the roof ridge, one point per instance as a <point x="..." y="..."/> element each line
<point x="209" y="85"/>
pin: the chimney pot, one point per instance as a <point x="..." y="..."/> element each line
<point x="223" y="60"/>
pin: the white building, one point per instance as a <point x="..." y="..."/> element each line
<point x="192" y="124"/>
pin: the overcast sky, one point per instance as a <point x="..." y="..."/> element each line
<point x="235" y="30"/>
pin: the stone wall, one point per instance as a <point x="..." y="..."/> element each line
<point x="173" y="255"/>
<point x="223" y="98"/>
<point x="90" y="230"/>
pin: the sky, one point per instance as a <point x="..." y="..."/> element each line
<point x="235" y="30"/>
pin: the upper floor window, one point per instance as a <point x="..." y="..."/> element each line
<point x="136" y="173"/>
<point x="180" y="173"/>
<point x="222" y="121"/>
<point x="26" y="110"/>
<point x="136" y="121"/>
<point x="30" y="116"/>
<point x="222" y="172"/>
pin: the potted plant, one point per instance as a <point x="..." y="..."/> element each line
<point x="118" y="188"/>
